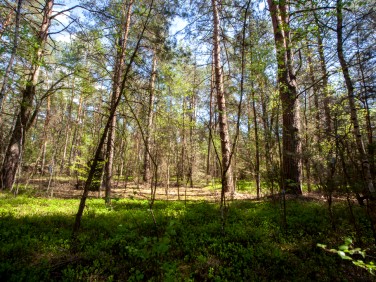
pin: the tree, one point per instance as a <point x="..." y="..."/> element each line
<point x="279" y="11"/>
<point x="226" y="169"/>
<point x="100" y="146"/>
<point x="370" y="190"/>
<point x="120" y="46"/>
<point x="26" y="115"/>
<point x="150" y="111"/>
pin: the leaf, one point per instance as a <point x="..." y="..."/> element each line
<point x="348" y="241"/>
<point x="344" y="248"/>
<point x="343" y="255"/>
<point x="321" y="245"/>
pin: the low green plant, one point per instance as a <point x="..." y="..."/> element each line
<point x="180" y="241"/>
<point x="348" y="252"/>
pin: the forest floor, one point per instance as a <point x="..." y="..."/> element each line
<point x="66" y="189"/>
<point x="186" y="240"/>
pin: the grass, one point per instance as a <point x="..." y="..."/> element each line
<point x="189" y="242"/>
<point x="243" y="186"/>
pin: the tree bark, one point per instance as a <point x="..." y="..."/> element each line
<point x="353" y="110"/>
<point x="210" y="126"/>
<point x="26" y="115"/>
<point x="7" y="21"/>
<point x="325" y="81"/>
<point x="257" y="144"/>
<point x="192" y="125"/>
<point x="118" y="74"/>
<point x="99" y="149"/>
<point x="227" y="177"/>
<point x="147" y="173"/>
<point x="12" y="56"/>
<point x="291" y="143"/>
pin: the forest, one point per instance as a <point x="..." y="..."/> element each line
<point x="176" y="140"/>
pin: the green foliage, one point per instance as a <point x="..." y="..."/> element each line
<point x="348" y="252"/>
<point x="187" y="243"/>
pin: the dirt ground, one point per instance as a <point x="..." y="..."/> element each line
<point x="67" y="189"/>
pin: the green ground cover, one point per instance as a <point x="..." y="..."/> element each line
<point x="186" y="242"/>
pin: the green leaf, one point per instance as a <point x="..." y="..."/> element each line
<point x="348" y="241"/>
<point x="321" y="245"/>
<point x="343" y="255"/>
<point x="344" y="248"/>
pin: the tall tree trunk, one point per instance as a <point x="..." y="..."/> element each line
<point x="227" y="177"/>
<point x="45" y="132"/>
<point x="148" y="132"/>
<point x="99" y="149"/>
<point x="12" y="56"/>
<point x="8" y="69"/>
<point x="192" y="125"/>
<point x="210" y="126"/>
<point x="7" y="21"/>
<point x="181" y="165"/>
<point x="118" y="74"/>
<point x="26" y="114"/>
<point x="67" y="129"/>
<point x="325" y="81"/>
<point x="371" y="145"/>
<point x="76" y="133"/>
<point x="353" y="110"/>
<point x="257" y="144"/>
<point x="291" y="143"/>
<point x="315" y="95"/>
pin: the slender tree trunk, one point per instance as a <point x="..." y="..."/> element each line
<point x="147" y="174"/>
<point x="315" y="95"/>
<point x="192" y="125"/>
<point x="210" y="126"/>
<point x="99" y="149"/>
<point x="116" y="84"/>
<point x="183" y="149"/>
<point x="12" y="56"/>
<point x="67" y="130"/>
<point x="371" y="145"/>
<point x="325" y="82"/>
<point x="307" y="140"/>
<point x="76" y="133"/>
<point x="291" y="143"/>
<point x="45" y="132"/>
<point x="353" y="110"/>
<point x="257" y="144"/>
<point x="227" y="177"/>
<point x="26" y="114"/>
<point x="7" y="21"/>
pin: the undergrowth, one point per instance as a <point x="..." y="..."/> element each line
<point x="189" y="241"/>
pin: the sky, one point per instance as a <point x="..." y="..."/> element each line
<point x="178" y="23"/>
